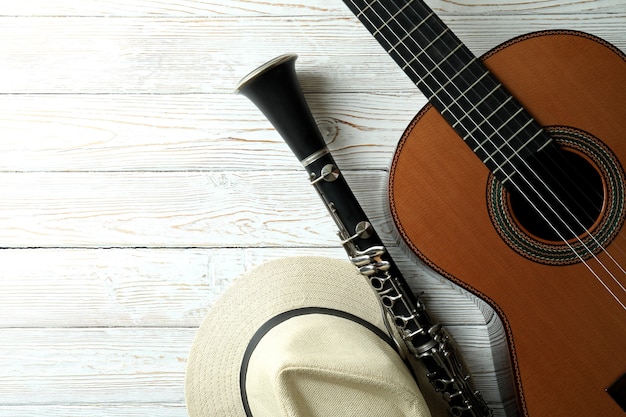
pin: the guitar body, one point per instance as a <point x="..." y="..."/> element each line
<point x="566" y="325"/>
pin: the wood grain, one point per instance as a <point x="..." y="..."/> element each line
<point x="189" y="132"/>
<point x="192" y="56"/>
<point x="180" y="209"/>
<point x="101" y="410"/>
<point x="128" y="287"/>
<point x="287" y="7"/>
<point x="538" y="299"/>
<point x="106" y="365"/>
<point x="135" y="186"/>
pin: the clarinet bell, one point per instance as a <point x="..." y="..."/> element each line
<point x="274" y="88"/>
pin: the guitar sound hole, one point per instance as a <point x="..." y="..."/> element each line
<point x="560" y="196"/>
<point x="586" y="177"/>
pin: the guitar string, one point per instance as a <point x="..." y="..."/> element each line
<point x="538" y="193"/>
<point x="462" y="93"/>
<point x="480" y="145"/>
<point x="392" y="17"/>
<point x="431" y="73"/>
<point x="473" y="59"/>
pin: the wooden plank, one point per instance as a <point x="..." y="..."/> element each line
<point x="147" y="55"/>
<point x="175" y="56"/>
<point x="285" y="7"/>
<point x="91" y="410"/>
<point x="190" y="8"/>
<point x="164" y="287"/>
<point x="172" y="209"/>
<point x="78" y="366"/>
<point x="99" y="321"/>
<point x="112" y="288"/>
<point x="527" y="6"/>
<point x="82" y="303"/>
<point x="111" y="366"/>
<point x="211" y="132"/>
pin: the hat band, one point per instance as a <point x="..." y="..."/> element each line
<point x="276" y="320"/>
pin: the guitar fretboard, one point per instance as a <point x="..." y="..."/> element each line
<point x="490" y="121"/>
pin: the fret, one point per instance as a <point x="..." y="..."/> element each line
<point x="400" y="32"/>
<point x="481" y="145"/>
<point x="516" y="152"/>
<point x="365" y="9"/>
<point x="507" y="142"/>
<point x="472" y="101"/>
<point x="497" y="131"/>
<point x="503" y="133"/>
<point x="475" y="106"/>
<point x="450" y="80"/>
<point x="547" y="143"/>
<point x="423" y="51"/>
<point x="506" y="179"/>
<point x="498" y="159"/>
<point x="533" y="140"/>
<point x="392" y="18"/>
<point x="464" y="93"/>
<point x="519" y="131"/>
<point x="409" y="33"/>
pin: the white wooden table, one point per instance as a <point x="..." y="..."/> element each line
<point x="134" y="186"/>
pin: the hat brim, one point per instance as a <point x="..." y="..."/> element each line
<point x="212" y="379"/>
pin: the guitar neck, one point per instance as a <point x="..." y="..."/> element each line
<point x="488" y="119"/>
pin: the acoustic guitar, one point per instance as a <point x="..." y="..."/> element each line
<point x="511" y="184"/>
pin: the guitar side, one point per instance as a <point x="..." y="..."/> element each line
<point x="566" y="327"/>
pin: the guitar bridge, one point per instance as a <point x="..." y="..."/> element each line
<point x="618" y="391"/>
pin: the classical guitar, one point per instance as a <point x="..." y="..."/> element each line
<point x="511" y="184"/>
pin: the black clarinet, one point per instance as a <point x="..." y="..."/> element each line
<point x="275" y="90"/>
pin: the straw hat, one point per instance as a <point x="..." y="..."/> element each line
<point x="299" y="337"/>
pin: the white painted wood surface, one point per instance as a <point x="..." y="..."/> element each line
<point x="134" y="186"/>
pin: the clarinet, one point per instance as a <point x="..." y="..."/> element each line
<point x="275" y="90"/>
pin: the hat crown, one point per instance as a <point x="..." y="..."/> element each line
<point x="263" y="297"/>
<point x="316" y="365"/>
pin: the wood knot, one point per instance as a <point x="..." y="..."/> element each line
<point x="329" y="128"/>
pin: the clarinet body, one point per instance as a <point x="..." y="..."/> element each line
<point x="275" y="90"/>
